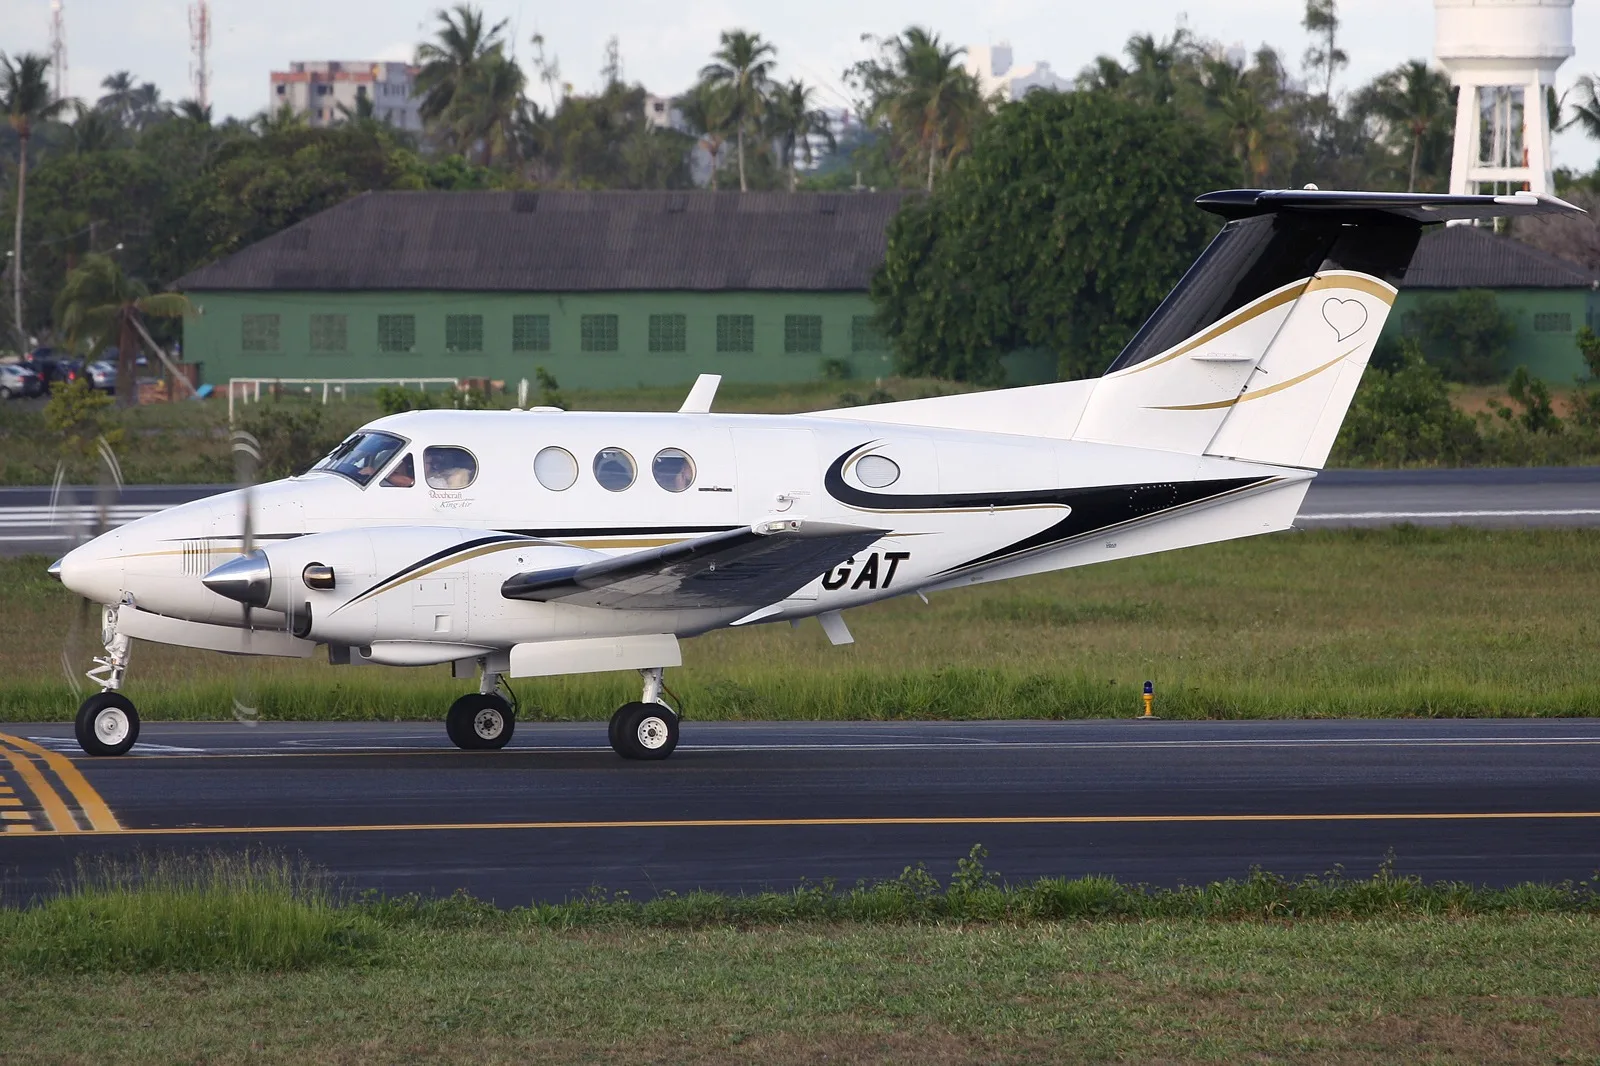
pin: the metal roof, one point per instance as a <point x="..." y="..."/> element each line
<point x="570" y="242"/>
<point x="1467" y="257"/>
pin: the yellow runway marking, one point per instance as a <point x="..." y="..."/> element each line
<point x="17" y="816"/>
<point x="54" y="809"/>
<point x="767" y="823"/>
<point x="10" y="801"/>
<point x="89" y="802"/>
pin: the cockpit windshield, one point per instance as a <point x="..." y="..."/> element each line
<point x="361" y="456"/>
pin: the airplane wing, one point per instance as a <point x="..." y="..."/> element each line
<point x="748" y="567"/>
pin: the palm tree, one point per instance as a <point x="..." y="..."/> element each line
<point x="792" y="121"/>
<point x="450" y="61"/>
<point x="930" y="99"/>
<point x="484" y="110"/>
<point x="99" y="302"/>
<point x="1586" y="108"/>
<point x="194" y="111"/>
<point x="1415" y="100"/>
<point x="744" y="66"/>
<point x="1243" y="102"/>
<point x="121" y="93"/>
<point x="707" y="110"/>
<point x="93" y="129"/>
<point x="1154" y="75"/>
<point x="26" y="97"/>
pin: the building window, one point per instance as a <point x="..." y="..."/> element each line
<point x="258" y="333"/>
<point x="329" y="333"/>
<point x="669" y="333"/>
<point x="865" y="336"/>
<point x="530" y="333"/>
<point x="802" y="333"/>
<point x="736" y="333"/>
<point x="463" y="333"/>
<point x="1553" y="322"/>
<point x="281" y="88"/>
<point x="397" y="333"/>
<point x="599" y="333"/>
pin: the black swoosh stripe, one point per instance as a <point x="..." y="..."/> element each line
<point x="1090" y="509"/>
<point x="467" y="545"/>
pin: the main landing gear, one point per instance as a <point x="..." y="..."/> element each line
<point x="483" y="720"/>
<point x="108" y="723"/>
<point x="647" y="729"/>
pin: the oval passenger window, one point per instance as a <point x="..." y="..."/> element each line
<point x="449" y="468"/>
<point x="614" y="469"/>
<point x="877" y="471"/>
<point x="555" y="468"/>
<point x="673" y="469"/>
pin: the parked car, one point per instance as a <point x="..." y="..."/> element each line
<point x="52" y="366"/>
<point x="102" y="375"/>
<point x="17" y="380"/>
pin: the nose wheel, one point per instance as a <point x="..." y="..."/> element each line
<point x="108" y="724"/>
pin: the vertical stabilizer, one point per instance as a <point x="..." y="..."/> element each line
<point x="1258" y="351"/>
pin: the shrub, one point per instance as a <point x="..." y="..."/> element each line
<point x="291" y="434"/>
<point x="1465" y="335"/>
<point x="1405" y="417"/>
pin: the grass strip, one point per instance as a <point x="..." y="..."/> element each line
<point x="1356" y="623"/>
<point x="1330" y="969"/>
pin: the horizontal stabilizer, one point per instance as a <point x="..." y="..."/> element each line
<point x="1417" y="206"/>
<point x="747" y="567"/>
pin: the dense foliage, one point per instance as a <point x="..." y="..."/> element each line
<point x="1064" y="228"/>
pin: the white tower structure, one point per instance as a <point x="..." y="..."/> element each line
<point x="58" y="49"/>
<point x="1503" y="55"/>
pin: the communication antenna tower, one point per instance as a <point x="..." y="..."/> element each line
<point x="199" y="49"/>
<point x="58" y="48"/>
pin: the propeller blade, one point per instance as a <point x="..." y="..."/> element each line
<point x="246" y="465"/>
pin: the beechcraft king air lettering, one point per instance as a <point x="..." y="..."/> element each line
<point x="535" y="543"/>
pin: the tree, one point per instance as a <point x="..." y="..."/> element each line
<point x="99" y="302"/>
<point x="485" y="110"/>
<point x="1414" y="103"/>
<point x="707" y="110"/>
<point x="1585" y="106"/>
<point x="26" y="98"/>
<point x="200" y="114"/>
<point x="743" y="65"/>
<point x="450" y="61"/>
<point x="1324" y="57"/>
<point x="1062" y="230"/>
<point x="1465" y="335"/>
<point x="917" y="88"/>
<point x="1244" y="103"/>
<point x="792" y="120"/>
<point x="121" y="96"/>
<point x="93" y="130"/>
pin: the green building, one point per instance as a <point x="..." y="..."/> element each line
<point x="1548" y="297"/>
<point x="601" y="289"/>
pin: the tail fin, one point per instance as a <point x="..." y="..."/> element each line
<point x="1258" y="351"/>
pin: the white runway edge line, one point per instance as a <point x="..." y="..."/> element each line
<point x="1332" y="516"/>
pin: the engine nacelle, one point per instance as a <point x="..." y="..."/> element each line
<point x="387" y="583"/>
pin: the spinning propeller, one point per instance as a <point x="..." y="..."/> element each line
<point x="73" y="527"/>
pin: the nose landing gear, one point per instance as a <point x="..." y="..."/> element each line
<point x="108" y="723"/>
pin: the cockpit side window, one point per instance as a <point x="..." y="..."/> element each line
<point x="361" y="455"/>
<point x="449" y="467"/>
<point x="403" y="476"/>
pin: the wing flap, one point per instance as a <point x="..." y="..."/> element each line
<point x="749" y="567"/>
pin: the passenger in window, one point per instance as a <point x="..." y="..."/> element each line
<point x="403" y="476"/>
<point x="448" y="468"/>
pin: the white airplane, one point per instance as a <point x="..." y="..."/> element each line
<point x="537" y="543"/>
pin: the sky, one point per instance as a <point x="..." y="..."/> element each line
<point x="664" y="45"/>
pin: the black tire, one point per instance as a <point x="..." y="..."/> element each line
<point x="5" y="393"/>
<point x="107" y="724"/>
<point x="479" y="722"/>
<point x="646" y="731"/>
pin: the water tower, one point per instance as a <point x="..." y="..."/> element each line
<point x="1503" y="55"/>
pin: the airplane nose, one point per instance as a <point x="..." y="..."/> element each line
<point x="93" y="570"/>
<point x="247" y="579"/>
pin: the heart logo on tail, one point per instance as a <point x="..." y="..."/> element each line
<point x="1345" y="316"/>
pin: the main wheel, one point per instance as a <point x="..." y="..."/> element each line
<point x="107" y="724"/>
<point x="479" y="722"/>
<point x="644" y="731"/>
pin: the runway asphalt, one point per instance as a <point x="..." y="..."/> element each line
<point x="741" y="807"/>
<point x="1535" y="496"/>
